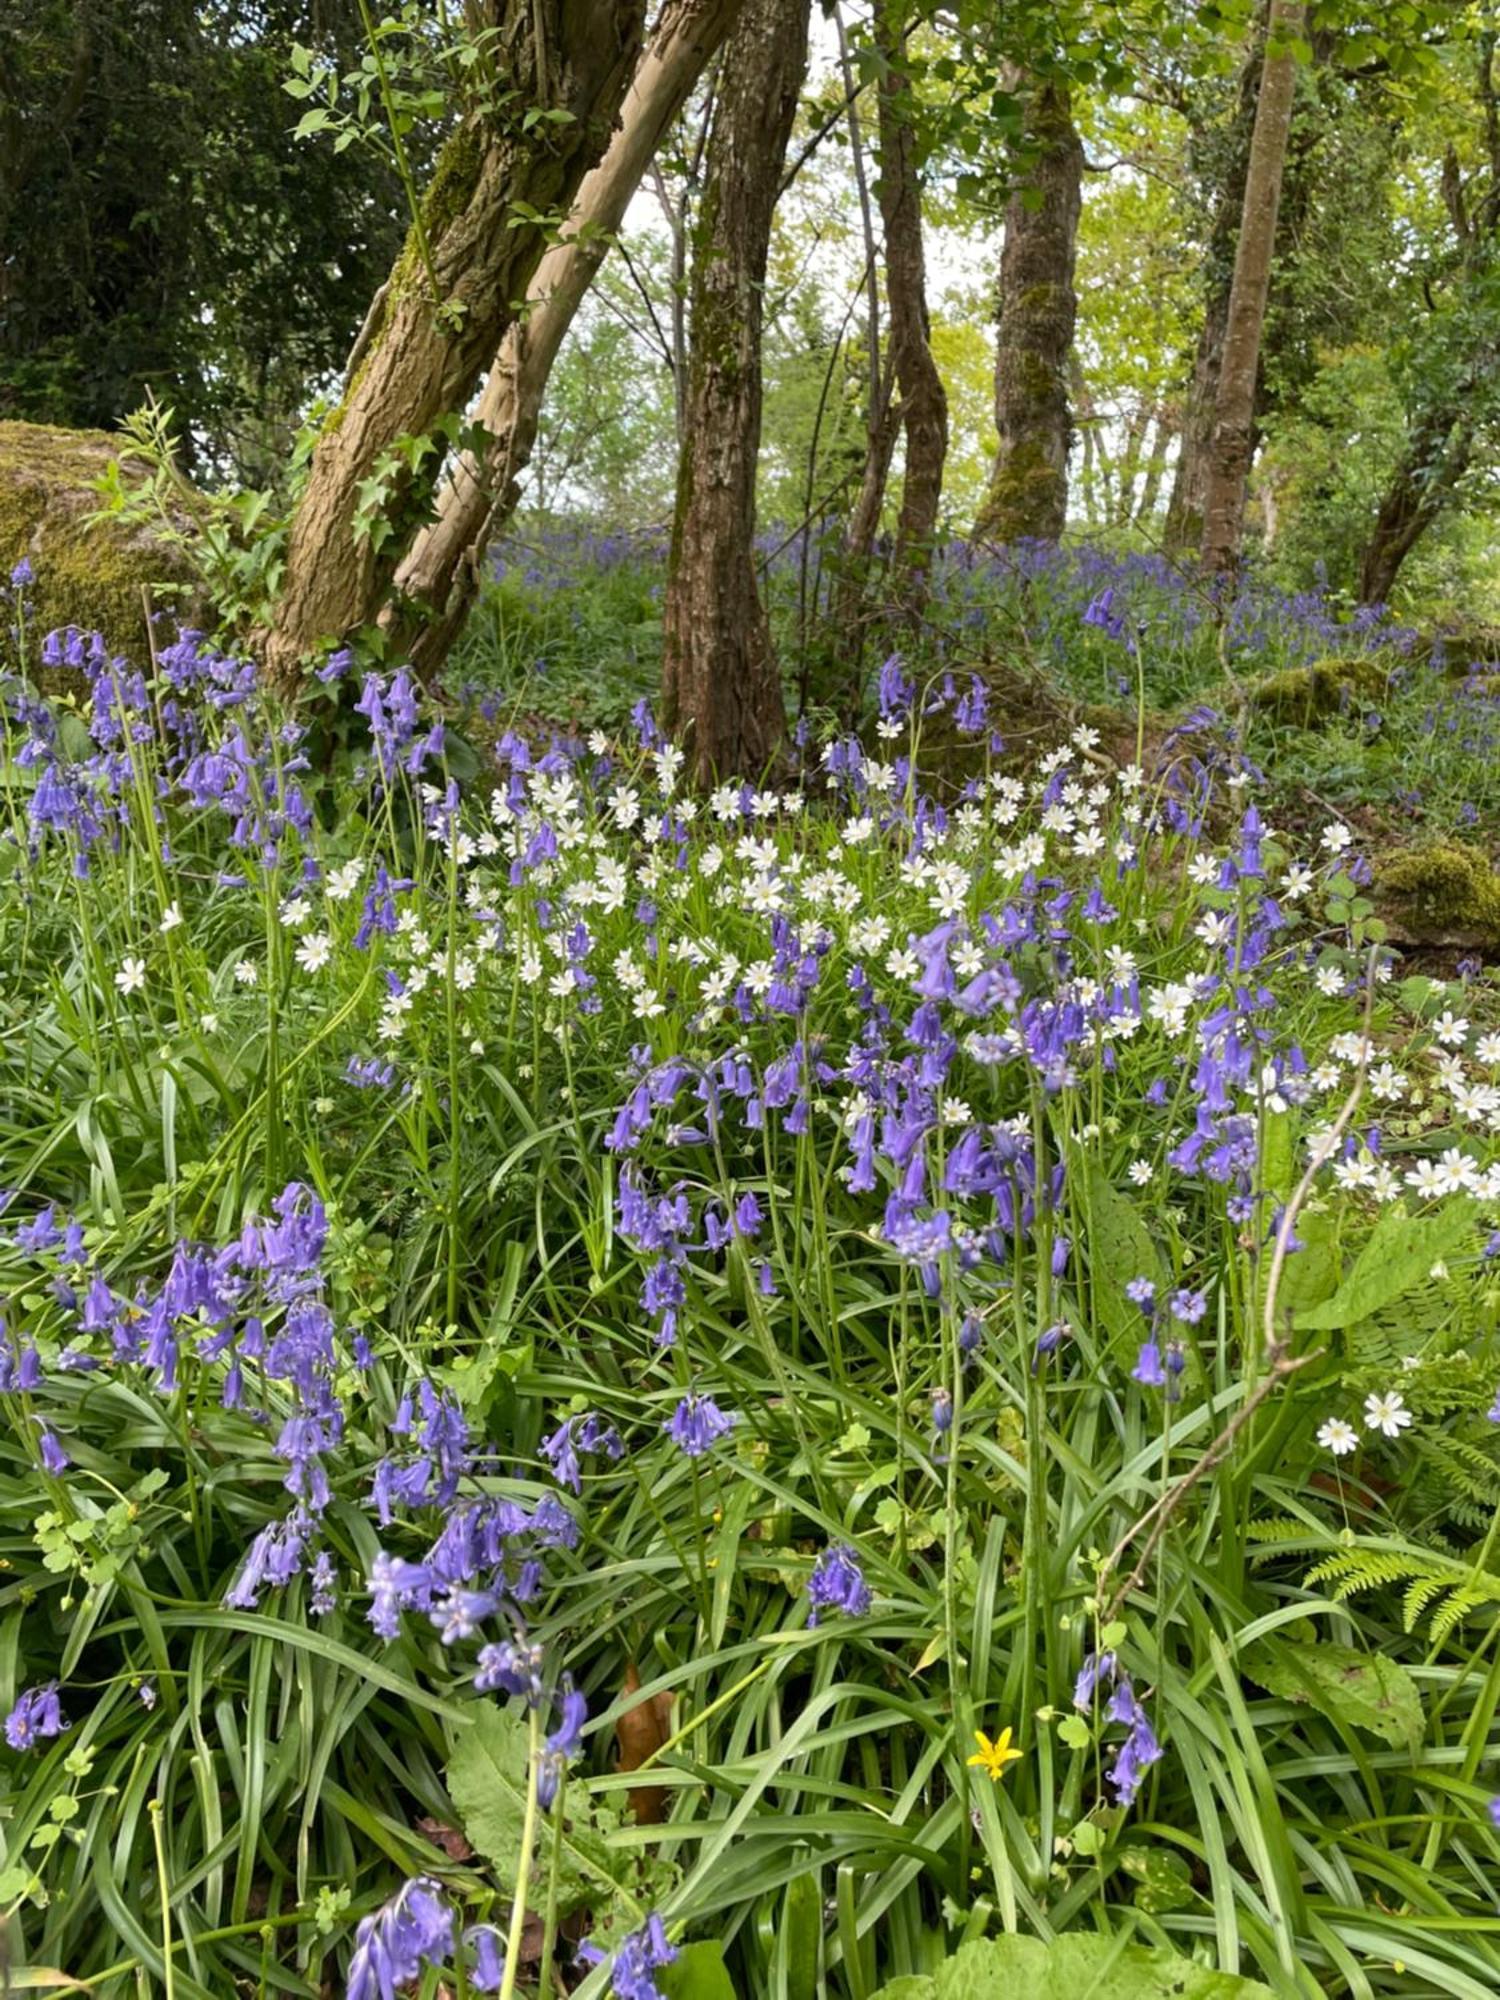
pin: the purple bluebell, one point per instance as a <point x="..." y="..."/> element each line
<point x="837" y="1583"/>
<point x="697" y="1424"/>
<point x="36" y="1717"/>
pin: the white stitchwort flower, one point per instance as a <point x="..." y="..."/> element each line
<point x="131" y="976"/>
<point x="315" y="951"/>
<point x="1338" y="1437"/>
<point x="247" y="973"/>
<point x="171" y="917"/>
<point x="1387" y="1414"/>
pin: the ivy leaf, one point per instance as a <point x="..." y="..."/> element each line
<point x="1399" y="1255"/>
<point x="1368" y="1689"/>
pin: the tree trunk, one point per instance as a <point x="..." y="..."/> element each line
<point x="1028" y="494"/>
<point x="451" y="298"/>
<point x="1234" y="408"/>
<point x="439" y="578"/>
<point x="1155" y="455"/>
<point x="1420" y="489"/>
<point x="1184" y="523"/>
<point x="721" y="689"/>
<point x="924" y="402"/>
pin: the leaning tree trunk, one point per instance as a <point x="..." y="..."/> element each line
<point x="924" y="402"/>
<point x="721" y="690"/>
<point x="449" y="301"/>
<point x="439" y="578"/>
<point x="1234" y="410"/>
<point x="1420" y="490"/>
<point x="1028" y="493"/>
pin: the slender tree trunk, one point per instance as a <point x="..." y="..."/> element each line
<point x="721" y="690"/>
<point x="1028" y="493"/>
<point x="1184" y="523"/>
<point x="1420" y="490"/>
<point x="437" y="581"/>
<point x="451" y="297"/>
<point x="924" y="402"/>
<point x="1234" y="410"/>
<point x="1155" y="454"/>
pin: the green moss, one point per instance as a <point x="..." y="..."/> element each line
<point x="87" y="573"/>
<point x="1446" y="891"/>
<point x="1024" y="497"/>
<point x="1304" y="695"/>
<point x="449" y="192"/>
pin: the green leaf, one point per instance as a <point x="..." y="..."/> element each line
<point x="1075" y="1732"/>
<point x="1023" y="1968"/>
<point x="1399" y="1255"/>
<point x="1368" y="1689"/>
<point x="487" y="1782"/>
<point x="1120" y="1248"/>
<point x="697" y="1973"/>
<point x="1163" y="1879"/>
<point x="801" y="1938"/>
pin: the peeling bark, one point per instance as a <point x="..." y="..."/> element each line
<point x="1028" y="494"/>
<point x="439" y="578"/>
<point x="721" y="690"/>
<point x="438" y="328"/>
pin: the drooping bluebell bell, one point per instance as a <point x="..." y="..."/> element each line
<point x="697" y="1424"/>
<point x="36" y="1717"/>
<point x="837" y="1583"/>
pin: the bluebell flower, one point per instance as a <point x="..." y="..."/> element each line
<point x="837" y="1583"/>
<point x="1148" y="1368"/>
<point x="697" y="1424"/>
<point x="391" y="1948"/>
<point x="36" y="1717"/>
<point x="639" y="1958"/>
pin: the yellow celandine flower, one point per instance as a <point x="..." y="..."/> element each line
<point x="993" y="1757"/>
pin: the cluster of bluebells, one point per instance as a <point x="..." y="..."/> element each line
<point x="414" y="1932"/>
<point x="1139" y="1749"/>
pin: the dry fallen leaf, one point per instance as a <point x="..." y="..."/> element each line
<point x="641" y="1731"/>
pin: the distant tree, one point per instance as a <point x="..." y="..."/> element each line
<point x="1239" y="365"/>
<point x="1037" y="307"/>
<point x="721" y="689"/>
<point x="162" y="230"/>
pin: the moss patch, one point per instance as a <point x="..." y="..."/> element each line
<point x="87" y="573"/>
<point x="1305" y="695"/>
<point x="1449" y="893"/>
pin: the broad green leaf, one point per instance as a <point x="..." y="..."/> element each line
<point x="487" y="1782"/>
<point x="1309" y="1275"/>
<point x="1120" y="1247"/>
<point x="802" y="1936"/>
<point x="1075" y="1967"/>
<point x="1163" y="1879"/>
<point x="1367" y="1689"/>
<point x="697" y="1973"/>
<point x="1399" y="1255"/>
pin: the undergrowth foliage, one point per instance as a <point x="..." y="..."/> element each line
<point x="625" y="1391"/>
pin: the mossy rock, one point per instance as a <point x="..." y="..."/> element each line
<point x="1448" y="894"/>
<point x="1303" y="696"/>
<point x="87" y="573"/>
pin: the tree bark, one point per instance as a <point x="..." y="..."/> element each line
<point x="1420" y="490"/>
<point x="438" y="579"/>
<point x="1184" y="522"/>
<point x="721" y="690"/>
<point x="924" y="402"/>
<point x="1028" y="492"/>
<point x="1234" y="408"/>
<point x="484" y="229"/>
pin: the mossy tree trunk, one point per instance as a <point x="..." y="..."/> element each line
<point x="1037" y="308"/>
<point x="1461" y="388"/>
<point x="1233" y="440"/>
<point x="487" y="219"/>
<point x="924" y="402"/>
<point x="721" y="690"/>
<point x="439" y="577"/>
